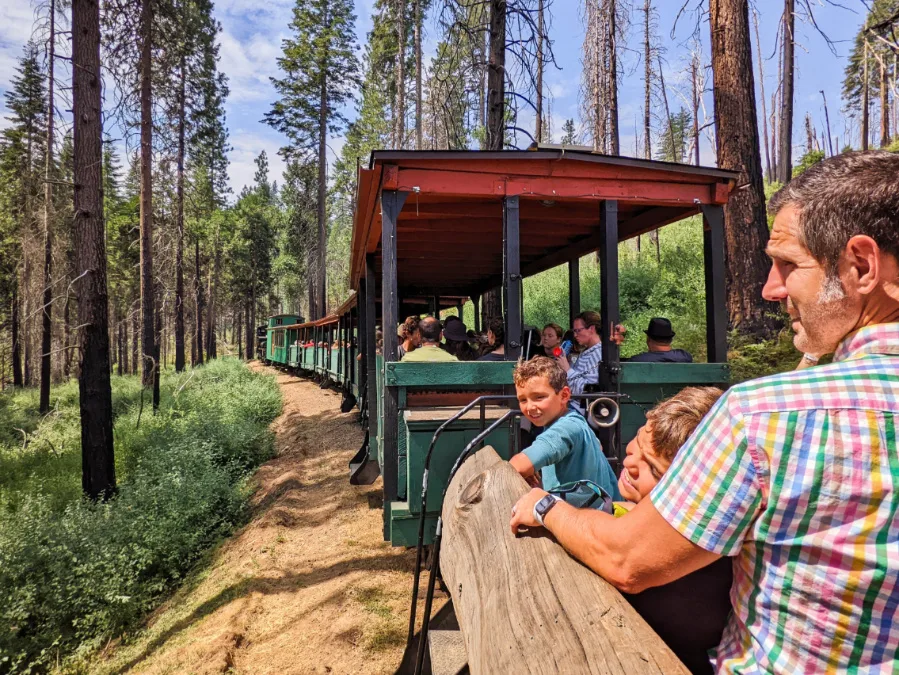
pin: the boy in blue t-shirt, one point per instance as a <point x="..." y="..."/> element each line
<point x="567" y="450"/>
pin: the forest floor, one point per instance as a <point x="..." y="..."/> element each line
<point x="308" y="585"/>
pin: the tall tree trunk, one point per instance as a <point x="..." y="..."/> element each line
<point x="120" y="350"/>
<point x="124" y="329"/>
<point x="694" y="78"/>
<point x="17" y="380"/>
<point x="675" y="155"/>
<point x="538" y="121"/>
<point x="212" y="291"/>
<point x="496" y="73"/>
<point x="865" y="85"/>
<point x="418" y="58"/>
<point x="94" y="389"/>
<point x="884" y="106"/>
<point x="736" y="124"/>
<point x="179" y="238"/>
<point x="135" y="338"/>
<point x="26" y="306"/>
<point x="148" y="351"/>
<point x="248" y="329"/>
<point x="491" y="306"/>
<point x="198" y="300"/>
<point x="785" y="148"/>
<point x="612" y="97"/>
<point x="827" y="125"/>
<point x="647" y="81"/>
<point x="758" y="45"/>
<point x="810" y="139"/>
<point x="157" y="342"/>
<point x="322" y="195"/>
<point x="399" y="120"/>
<point x="47" y="326"/>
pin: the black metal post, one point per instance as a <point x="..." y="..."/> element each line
<point x="369" y="337"/>
<point x="715" y="298"/>
<point x="435" y="306"/>
<point x="391" y="205"/>
<point x="360" y="336"/>
<point x="608" y="292"/>
<point x="574" y="290"/>
<point x="511" y="278"/>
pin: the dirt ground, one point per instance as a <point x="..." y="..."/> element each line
<point x="308" y="586"/>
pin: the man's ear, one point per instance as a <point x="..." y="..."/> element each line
<point x="862" y="258"/>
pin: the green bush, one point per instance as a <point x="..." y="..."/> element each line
<point x="74" y="573"/>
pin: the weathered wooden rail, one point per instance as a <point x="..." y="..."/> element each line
<point x="523" y="604"/>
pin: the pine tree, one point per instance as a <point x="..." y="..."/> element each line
<point x="569" y="133"/>
<point x="320" y="76"/>
<point x="674" y="140"/>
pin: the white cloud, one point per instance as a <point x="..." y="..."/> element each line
<point x="249" y="62"/>
<point x="246" y="146"/>
<point x="16" y="22"/>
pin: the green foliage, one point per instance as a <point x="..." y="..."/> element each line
<point x="673" y="287"/>
<point x="569" y="133"/>
<point x="809" y="159"/>
<point x="74" y="574"/>
<point x="749" y="360"/>
<point x="673" y="141"/>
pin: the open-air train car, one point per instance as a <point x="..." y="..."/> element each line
<point x="433" y="230"/>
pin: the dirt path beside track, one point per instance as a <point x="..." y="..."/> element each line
<point x="308" y="586"/>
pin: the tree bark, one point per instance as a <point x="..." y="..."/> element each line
<point x="157" y="343"/>
<point x="248" y="329"/>
<point x="146" y="198"/>
<point x="47" y="325"/>
<point x="694" y="66"/>
<point x="612" y="97"/>
<point x="399" y="120"/>
<point x="647" y="82"/>
<point x="322" y="195"/>
<point x="758" y="45"/>
<point x="737" y="140"/>
<point x="418" y="97"/>
<point x="135" y="338"/>
<point x="827" y="124"/>
<point x="212" y="291"/>
<point x="95" y="392"/>
<point x="785" y="151"/>
<point x="538" y="122"/>
<point x="496" y="73"/>
<point x="15" y="327"/>
<point x="865" y="104"/>
<point x="884" y="106"/>
<point x="179" y="238"/>
<point x="198" y="300"/>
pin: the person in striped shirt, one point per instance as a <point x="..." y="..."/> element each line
<point x="795" y="475"/>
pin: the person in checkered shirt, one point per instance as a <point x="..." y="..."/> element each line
<point x="796" y="475"/>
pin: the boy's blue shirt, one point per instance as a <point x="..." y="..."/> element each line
<point x="566" y="451"/>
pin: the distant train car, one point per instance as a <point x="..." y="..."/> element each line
<point x="434" y="230"/>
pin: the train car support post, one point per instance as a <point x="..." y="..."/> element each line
<point x="715" y="302"/>
<point x="574" y="289"/>
<point x="391" y="204"/>
<point x="512" y="278"/>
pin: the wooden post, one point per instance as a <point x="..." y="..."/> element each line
<point x="574" y="290"/>
<point x="715" y="299"/>
<point x="511" y="278"/>
<point x="476" y="306"/>
<point x="391" y="205"/>
<point x="523" y="604"/>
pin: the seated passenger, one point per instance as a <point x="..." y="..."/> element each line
<point x="659" y="336"/>
<point x="429" y="351"/>
<point x="496" y="336"/>
<point x="688" y="614"/>
<point x="456" y="336"/>
<point x="585" y="369"/>
<point x="552" y="338"/>
<point x="567" y="450"/>
<point x="411" y="337"/>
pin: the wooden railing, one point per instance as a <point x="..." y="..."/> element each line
<point x="523" y="604"/>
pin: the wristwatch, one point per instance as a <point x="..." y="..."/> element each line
<point x="811" y="358"/>
<point x="543" y="507"/>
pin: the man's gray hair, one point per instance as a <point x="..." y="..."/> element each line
<point x="843" y="196"/>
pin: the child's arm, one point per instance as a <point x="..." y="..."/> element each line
<point x="525" y="468"/>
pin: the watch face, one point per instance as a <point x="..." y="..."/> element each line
<point x="544" y="504"/>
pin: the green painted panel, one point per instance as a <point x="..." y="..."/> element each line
<point x="450" y="444"/>
<point x="404" y="525"/>
<point x="683" y="374"/>
<point x="467" y="373"/>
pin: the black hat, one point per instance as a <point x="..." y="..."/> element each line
<point x="454" y="329"/>
<point x="659" y="328"/>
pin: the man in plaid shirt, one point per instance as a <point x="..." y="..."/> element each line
<point x="795" y="475"/>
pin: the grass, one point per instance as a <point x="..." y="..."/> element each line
<point x="74" y="574"/>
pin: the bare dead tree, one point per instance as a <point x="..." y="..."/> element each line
<point x="418" y="60"/>
<point x="758" y="43"/>
<point x="399" y="120"/>
<point x="827" y="125"/>
<point x="47" y="326"/>
<point x="785" y="146"/>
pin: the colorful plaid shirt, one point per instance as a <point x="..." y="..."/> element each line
<point x="797" y="477"/>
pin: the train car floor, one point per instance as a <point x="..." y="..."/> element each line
<point x="307" y="585"/>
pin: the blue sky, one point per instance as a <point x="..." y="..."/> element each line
<point x="253" y="30"/>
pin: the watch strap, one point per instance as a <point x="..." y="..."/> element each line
<point x="542" y="507"/>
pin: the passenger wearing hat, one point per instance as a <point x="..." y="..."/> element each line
<point x="456" y="339"/>
<point x="658" y="343"/>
